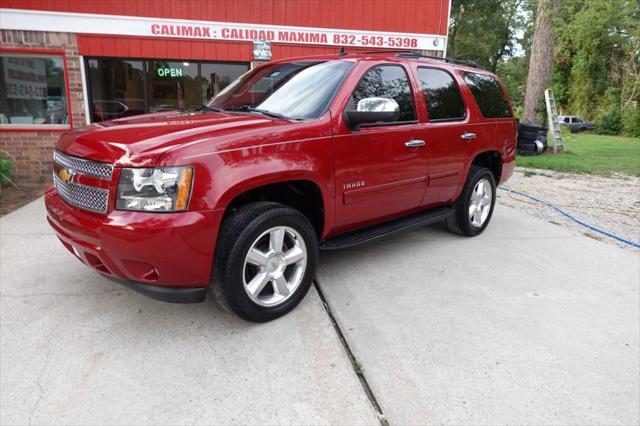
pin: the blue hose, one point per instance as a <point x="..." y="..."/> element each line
<point x="564" y="213"/>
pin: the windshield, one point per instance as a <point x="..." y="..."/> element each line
<point x="296" y="90"/>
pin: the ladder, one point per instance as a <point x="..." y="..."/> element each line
<point x="554" y="124"/>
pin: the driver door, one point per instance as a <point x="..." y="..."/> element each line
<point x="380" y="169"/>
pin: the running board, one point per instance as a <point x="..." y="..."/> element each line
<point x="382" y="230"/>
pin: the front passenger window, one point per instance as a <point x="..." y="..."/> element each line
<point x="386" y="81"/>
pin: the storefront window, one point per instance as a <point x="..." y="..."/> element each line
<point x="173" y="85"/>
<point x="121" y="88"/>
<point x="32" y="90"/>
<point x="117" y="88"/>
<point x="215" y="77"/>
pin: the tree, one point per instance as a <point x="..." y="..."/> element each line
<point x="540" y="62"/>
<point x="485" y="31"/>
<point x="596" y="62"/>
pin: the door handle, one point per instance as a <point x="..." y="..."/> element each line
<point x="415" y="143"/>
<point x="467" y="136"/>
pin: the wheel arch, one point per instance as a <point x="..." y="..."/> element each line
<point x="297" y="191"/>
<point x="492" y="160"/>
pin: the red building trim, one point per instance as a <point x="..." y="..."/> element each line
<point x="202" y="50"/>
<point x="44" y="127"/>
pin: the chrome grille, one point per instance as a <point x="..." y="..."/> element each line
<point x="85" y="197"/>
<point x="86" y="167"/>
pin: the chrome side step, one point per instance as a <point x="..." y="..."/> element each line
<point x="382" y="230"/>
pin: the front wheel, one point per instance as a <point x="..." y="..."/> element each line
<point x="474" y="207"/>
<point x="265" y="261"/>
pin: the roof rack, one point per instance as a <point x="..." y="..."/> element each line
<point x="404" y="53"/>
<point x="414" y="54"/>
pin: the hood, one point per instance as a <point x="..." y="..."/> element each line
<point x="141" y="140"/>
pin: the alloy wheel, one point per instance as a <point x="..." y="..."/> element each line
<point x="480" y="204"/>
<point x="274" y="266"/>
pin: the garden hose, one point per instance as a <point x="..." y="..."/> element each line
<point x="626" y="212"/>
<point x="576" y="220"/>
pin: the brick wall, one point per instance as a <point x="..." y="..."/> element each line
<point x="32" y="151"/>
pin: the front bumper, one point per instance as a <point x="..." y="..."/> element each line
<point x="166" y="256"/>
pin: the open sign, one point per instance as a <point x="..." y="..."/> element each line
<point x="169" y="72"/>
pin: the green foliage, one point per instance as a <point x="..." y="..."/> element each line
<point x="486" y="31"/>
<point x="610" y="122"/>
<point x="596" y="69"/>
<point x="608" y="114"/>
<point x="593" y="154"/>
<point x="513" y="74"/>
<point x="631" y="121"/>
<point x="596" y="59"/>
<point x="6" y="170"/>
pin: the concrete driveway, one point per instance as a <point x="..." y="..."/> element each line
<point x="528" y="323"/>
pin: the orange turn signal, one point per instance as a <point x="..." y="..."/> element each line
<point x="184" y="189"/>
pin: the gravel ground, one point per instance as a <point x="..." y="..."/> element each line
<point x="610" y="203"/>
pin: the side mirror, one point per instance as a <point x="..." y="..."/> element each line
<point x="373" y="110"/>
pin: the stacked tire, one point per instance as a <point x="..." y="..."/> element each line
<point x="532" y="140"/>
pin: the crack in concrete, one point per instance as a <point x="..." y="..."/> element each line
<point x="352" y="358"/>
<point x="42" y="391"/>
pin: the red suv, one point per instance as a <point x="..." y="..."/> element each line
<point x="295" y="156"/>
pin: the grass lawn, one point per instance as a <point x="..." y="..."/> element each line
<point x="589" y="153"/>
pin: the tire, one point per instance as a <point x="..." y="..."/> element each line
<point x="523" y="134"/>
<point x="528" y="128"/>
<point x="256" y="226"/>
<point x="461" y="221"/>
<point x="527" y="147"/>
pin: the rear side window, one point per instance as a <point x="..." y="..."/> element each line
<point x="441" y="94"/>
<point x="488" y="95"/>
<point x="386" y="81"/>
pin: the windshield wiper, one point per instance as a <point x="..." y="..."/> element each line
<point x="246" y="108"/>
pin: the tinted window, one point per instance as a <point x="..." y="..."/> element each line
<point x="32" y="90"/>
<point x="215" y="77"/>
<point x="117" y="88"/>
<point x="173" y="85"/>
<point x="386" y="81"/>
<point x="488" y="95"/>
<point x="441" y="94"/>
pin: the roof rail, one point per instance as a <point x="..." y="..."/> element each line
<point x="413" y="54"/>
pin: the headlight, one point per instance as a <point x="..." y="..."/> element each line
<point x="165" y="189"/>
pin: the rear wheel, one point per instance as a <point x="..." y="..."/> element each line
<point x="265" y="261"/>
<point x="474" y="207"/>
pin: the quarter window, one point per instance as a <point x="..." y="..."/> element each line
<point x="386" y="81"/>
<point x="488" y="95"/>
<point x="32" y="90"/>
<point x="441" y="94"/>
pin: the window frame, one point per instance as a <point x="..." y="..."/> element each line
<point x="145" y="66"/>
<point x="426" y="106"/>
<point x="413" y="97"/>
<point x="41" y="127"/>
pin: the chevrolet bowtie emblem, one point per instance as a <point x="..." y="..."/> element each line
<point x="65" y="175"/>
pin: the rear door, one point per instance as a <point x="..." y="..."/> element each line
<point x="449" y="123"/>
